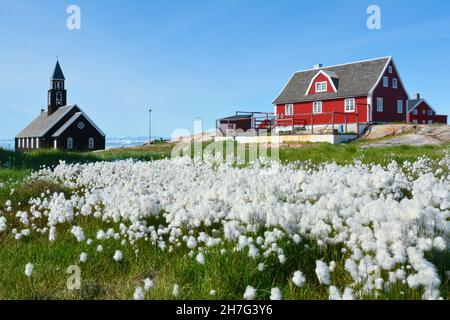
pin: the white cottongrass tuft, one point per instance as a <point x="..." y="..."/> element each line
<point x="99" y="248"/>
<point x="213" y="293"/>
<point x="250" y="293"/>
<point x="176" y="291"/>
<point x="138" y="294"/>
<point x="200" y="258"/>
<point x="349" y="294"/>
<point x="83" y="257"/>
<point x="322" y="272"/>
<point x="148" y="284"/>
<point x="298" y="279"/>
<point x="275" y="294"/>
<point x="78" y="233"/>
<point x="118" y="256"/>
<point x="334" y="293"/>
<point x="29" y="269"/>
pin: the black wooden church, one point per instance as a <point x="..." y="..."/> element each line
<point x="62" y="126"/>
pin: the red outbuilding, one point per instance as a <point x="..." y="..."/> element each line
<point x="420" y="112"/>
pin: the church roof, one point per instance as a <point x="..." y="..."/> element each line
<point x="57" y="73"/>
<point x="44" y="122"/>
<point x="74" y="118"/>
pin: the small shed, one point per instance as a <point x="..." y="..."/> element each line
<point x="236" y="122"/>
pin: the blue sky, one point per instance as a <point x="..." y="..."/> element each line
<point x="207" y="59"/>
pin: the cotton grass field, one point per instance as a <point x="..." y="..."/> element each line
<point x="326" y="222"/>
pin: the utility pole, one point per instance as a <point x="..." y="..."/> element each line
<point x="150" y="126"/>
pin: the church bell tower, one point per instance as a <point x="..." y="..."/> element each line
<point x="57" y="95"/>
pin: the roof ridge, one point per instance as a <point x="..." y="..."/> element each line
<point x="344" y="64"/>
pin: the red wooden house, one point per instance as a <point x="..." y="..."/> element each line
<point x="420" y="112"/>
<point x="355" y="93"/>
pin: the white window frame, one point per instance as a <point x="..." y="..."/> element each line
<point x="321" y="86"/>
<point x="317" y="107"/>
<point x="400" y="106"/>
<point x="430" y="121"/>
<point x="91" y="143"/>
<point x="350" y="105"/>
<point x="430" y="112"/>
<point x="390" y="69"/>
<point x="415" y="112"/>
<point x="424" y="122"/>
<point x="69" y="143"/>
<point x="380" y="104"/>
<point x="424" y="112"/>
<point x="386" y="82"/>
<point x="395" y="83"/>
<point x="415" y="121"/>
<point x="289" y="109"/>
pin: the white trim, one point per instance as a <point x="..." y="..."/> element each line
<point x="369" y="106"/>
<point x="55" y="143"/>
<point x="394" y="80"/>
<point x="72" y="120"/>
<point x="400" y="82"/>
<point x="382" y="104"/>
<point x="385" y="82"/>
<point x="390" y="69"/>
<point x="323" y="88"/>
<point x="37" y="143"/>
<point x="346" y="64"/>
<point x="314" y="78"/>
<point x="390" y="60"/>
<point x="288" y="106"/>
<point x="273" y="102"/>
<point x="60" y="117"/>
<point x="402" y="105"/>
<point x="354" y="105"/>
<point x="321" y="106"/>
<point x="418" y="103"/>
<point x="92" y="122"/>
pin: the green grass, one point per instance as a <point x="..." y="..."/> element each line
<point x="229" y="274"/>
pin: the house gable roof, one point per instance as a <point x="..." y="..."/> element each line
<point x="331" y="76"/>
<point x="44" y="122"/>
<point x="355" y="79"/>
<point x="413" y="104"/>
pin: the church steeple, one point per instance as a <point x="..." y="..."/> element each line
<point x="57" y="95"/>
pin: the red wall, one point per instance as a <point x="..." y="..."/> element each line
<point x="303" y="111"/>
<point x="321" y="78"/>
<point x="420" y="117"/>
<point x="390" y="97"/>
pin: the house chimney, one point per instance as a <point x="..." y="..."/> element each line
<point x="417" y="96"/>
<point x="318" y="66"/>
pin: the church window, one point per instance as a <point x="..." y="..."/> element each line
<point x="69" y="143"/>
